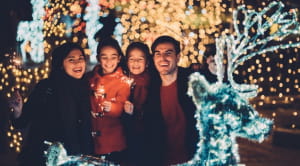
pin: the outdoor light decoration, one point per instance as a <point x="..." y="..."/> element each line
<point x="92" y="26"/>
<point x="192" y="24"/>
<point x="223" y="112"/>
<point x="276" y="72"/>
<point x="279" y="82"/>
<point x="14" y="77"/>
<point x="30" y="33"/>
<point x="15" y="137"/>
<point x="56" y="155"/>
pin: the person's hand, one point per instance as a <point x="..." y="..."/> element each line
<point x="15" y="103"/>
<point x="106" y="106"/>
<point x="128" y="107"/>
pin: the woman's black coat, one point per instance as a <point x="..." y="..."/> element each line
<point x="58" y="109"/>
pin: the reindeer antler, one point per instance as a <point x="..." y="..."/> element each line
<point x="242" y="42"/>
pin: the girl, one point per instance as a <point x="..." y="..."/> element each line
<point x="138" y="63"/>
<point x="57" y="109"/>
<point x="110" y="89"/>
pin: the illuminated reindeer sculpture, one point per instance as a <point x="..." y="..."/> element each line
<point x="223" y="112"/>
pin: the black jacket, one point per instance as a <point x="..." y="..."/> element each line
<point x="154" y="124"/>
<point x="58" y="109"/>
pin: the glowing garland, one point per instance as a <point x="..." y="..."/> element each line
<point x="30" y="33"/>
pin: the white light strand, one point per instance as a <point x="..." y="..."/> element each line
<point x="30" y="33"/>
<point x="92" y="26"/>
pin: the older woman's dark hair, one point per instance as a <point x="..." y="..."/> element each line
<point x="61" y="52"/>
<point x="166" y="39"/>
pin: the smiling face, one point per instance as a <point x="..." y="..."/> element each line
<point x="109" y="59"/>
<point x="74" y="64"/>
<point x="136" y="61"/>
<point x="165" y="59"/>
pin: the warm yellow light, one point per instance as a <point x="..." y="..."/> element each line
<point x="281" y="85"/>
<point x="295" y="113"/>
<point x="293" y="126"/>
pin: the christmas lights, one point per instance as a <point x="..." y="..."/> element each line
<point x="92" y="26"/>
<point x="30" y="33"/>
<point x="223" y="112"/>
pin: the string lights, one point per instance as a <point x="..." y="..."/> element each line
<point x="14" y="77"/>
<point x="92" y="26"/>
<point x="30" y="33"/>
<point x="194" y="23"/>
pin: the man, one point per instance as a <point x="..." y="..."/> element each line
<point x="169" y="112"/>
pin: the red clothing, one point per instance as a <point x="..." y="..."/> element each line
<point x="138" y="96"/>
<point x="115" y="88"/>
<point x="176" y="149"/>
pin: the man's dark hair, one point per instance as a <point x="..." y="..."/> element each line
<point x="166" y="39"/>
